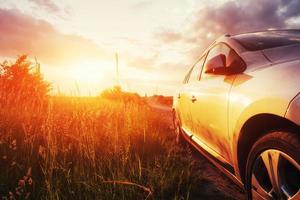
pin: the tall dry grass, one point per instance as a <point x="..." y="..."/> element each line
<point x="91" y="149"/>
<point x="88" y="148"/>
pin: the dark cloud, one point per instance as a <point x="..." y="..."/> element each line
<point x="291" y="8"/>
<point x="49" y="5"/>
<point x="23" y="34"/>
<point x="234" y="17"/>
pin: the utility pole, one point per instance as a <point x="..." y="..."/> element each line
<point x="117" y="70"/>
<point x="38" y="67"/>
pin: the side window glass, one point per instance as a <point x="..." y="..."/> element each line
<point x="195" y="73"/>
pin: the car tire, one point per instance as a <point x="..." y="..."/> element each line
<point x="177" y="129"/>
<point x="273" y="167"/>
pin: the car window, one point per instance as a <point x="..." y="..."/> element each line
<point x="269" y="39"/>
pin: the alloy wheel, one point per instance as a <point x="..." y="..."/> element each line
<point x="275" y="175"/>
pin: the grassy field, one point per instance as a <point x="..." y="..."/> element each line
<point x="90" y="148"/>
<point x="111" y="147"/>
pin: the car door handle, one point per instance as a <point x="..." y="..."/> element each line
<point x="193" y="99"/>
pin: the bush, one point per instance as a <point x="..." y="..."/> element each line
<point x="21" y="85"/>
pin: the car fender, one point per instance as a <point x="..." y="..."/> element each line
<point x="278" y="107"/>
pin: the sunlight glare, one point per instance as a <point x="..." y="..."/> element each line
<point x="88" y="72"/>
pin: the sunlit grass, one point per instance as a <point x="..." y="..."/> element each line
<point x="110" y="147"/>
<point x="90" y="148"/>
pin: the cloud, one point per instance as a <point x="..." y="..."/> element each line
<point x="240" y="16"/>
<point x="23" y="34"/>
<point x="49" y="5"/>
<point x="142" y="4"/>
<point x="144" y="63"/>
<point x="233" y="17"/>
<point x="290" y="8"/>
<point x="168" y="36"/>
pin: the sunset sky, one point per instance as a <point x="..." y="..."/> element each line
<point x="157" y="40"/>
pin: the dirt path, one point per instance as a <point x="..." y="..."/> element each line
<point x="217" y="185"/>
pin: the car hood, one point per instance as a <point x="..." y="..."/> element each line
<point x="283" y="54"/>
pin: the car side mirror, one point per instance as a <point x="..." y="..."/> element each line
<point x="218" y="65"/>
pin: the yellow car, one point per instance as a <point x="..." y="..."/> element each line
<point x="239" y="105"/>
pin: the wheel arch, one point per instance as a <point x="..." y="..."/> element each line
<point x="253" y="129"/>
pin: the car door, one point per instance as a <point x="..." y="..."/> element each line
<point x="185" y="96"/>
<point x="209" y="105"/>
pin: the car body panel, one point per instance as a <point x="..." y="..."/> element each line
<point x="209" y="112"/>
<point x="184" y="102"/>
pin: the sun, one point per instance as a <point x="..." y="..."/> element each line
<point x="82" y="77"/>
<point x="88" y="72"/>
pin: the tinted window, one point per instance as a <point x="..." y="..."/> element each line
<point x="269" y="39"/>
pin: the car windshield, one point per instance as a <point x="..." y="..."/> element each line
<point x="269" y="39"/>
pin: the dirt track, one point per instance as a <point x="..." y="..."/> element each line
<point x="215" y="184"/>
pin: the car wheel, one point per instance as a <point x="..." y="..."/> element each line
<point x="177" y="128"/>
<point x="273" y="167"/>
